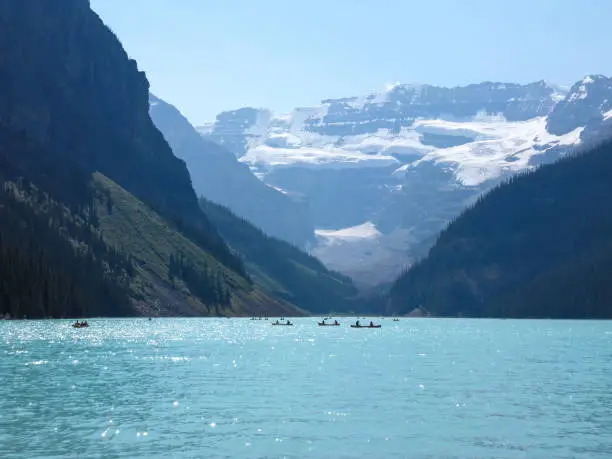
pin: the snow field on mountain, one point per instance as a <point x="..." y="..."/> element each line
<point x="496" y="147"/>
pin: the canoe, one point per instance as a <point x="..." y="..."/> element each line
<point x="366" y="326"/>
<point x="283" y="325"/>
<point x="321" y="324"/>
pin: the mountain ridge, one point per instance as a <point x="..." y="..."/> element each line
<point x="219" y="177"/>
<point x="410" y="159"/>
<point x="531" y="247"/>
<point x="78" y="148"/>
<point x="278" y="267"/>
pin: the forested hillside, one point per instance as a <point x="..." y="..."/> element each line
<point x="62" y="269"/>
<point x="537" y="246"/>
<point x="54" y="262"/>
<point x="282" y="268"/>
<point x="98" y="216"/>
<point x="70" y="87"/>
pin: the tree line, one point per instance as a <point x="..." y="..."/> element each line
<point x="203" y="282"/>
<point x="538" y="245"/>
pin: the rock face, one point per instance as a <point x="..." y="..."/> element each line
<point x="398" y="107"/>
<point x="73" y="104"/>
<point x="217" y="175"/>
<point x="69" y="85"/>
<point x="407" y="160"/>
<point x="232" y="128"/>
<point x="587" y="102"/>
<point x="402" y="104"/>
<point x="84" y="73"/>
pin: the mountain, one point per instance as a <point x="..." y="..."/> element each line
<point x="588" y="101"/>
<point x="385" y="172"/>
<point x="283" y="269"/>
<point x="218" y="176"/>
<point x="84" y="167"/>
<point x="539" y="245"/>
<point x="52" y="263"/>
<point x="278" y="266"/>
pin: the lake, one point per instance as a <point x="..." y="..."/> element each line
<point x="229" y="388"/>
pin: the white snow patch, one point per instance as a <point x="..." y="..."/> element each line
<point x="582" y="91"/>
<point x="366" y="230"/>
<point x="279" y="189"/>
<point x="607" y="115"/>
<point x="259" y="129"/>
<point x="264" y="156"/>
<point x="283" y="140"/>
<point x="355" y="250"/>
<point x="505" y="147"/>
<point x="391" y="86"/>
<point x="497" y="146"/>
<point x="473" y="130"/>
<point x="298" y="117"/>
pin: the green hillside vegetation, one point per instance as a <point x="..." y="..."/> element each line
<point x="53" y="264"/>
<point x="74" y="245"/>
<point x="172" y="269"/>
<point x="74" y="106"/>
<point x="282" y="268"/>
<point x="539" y="245"/>
<point x="99" y="216"/>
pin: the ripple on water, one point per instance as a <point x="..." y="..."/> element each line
<point x="229" y="388"/>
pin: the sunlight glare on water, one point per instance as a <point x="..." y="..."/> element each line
<point x="224" y="388"/>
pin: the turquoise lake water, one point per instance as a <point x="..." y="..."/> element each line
<point x="220" y="388"/>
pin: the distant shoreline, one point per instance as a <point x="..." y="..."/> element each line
<point x="316" y="317"/>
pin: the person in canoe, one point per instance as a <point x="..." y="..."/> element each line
<point x="371" y="323"/>
<point x="336" y="322"/>
<point x="288" y="323"/>
<point x="357" y="323"/>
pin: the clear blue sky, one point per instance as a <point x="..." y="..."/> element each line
<point x="206" y="56"/>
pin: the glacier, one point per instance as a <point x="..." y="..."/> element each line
<point x="384" y="172"/>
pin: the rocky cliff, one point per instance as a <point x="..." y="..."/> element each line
<point x="79" y="152"/>
<point x="64" y="64"/>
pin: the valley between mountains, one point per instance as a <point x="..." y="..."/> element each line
<point x="484" y="200"/>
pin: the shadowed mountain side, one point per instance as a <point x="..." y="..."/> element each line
<point x="219" y="177"/>
<point x="283" y="269"/>
<point x="539" y="245"/>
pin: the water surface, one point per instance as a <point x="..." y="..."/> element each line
<point x="219" y="388"/>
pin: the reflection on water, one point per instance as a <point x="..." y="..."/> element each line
<point x="240" y="388"/>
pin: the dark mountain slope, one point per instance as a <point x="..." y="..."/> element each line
<point x="68" y="83"/>
<point x="181" y="277"/>
<point x="283" y="269"/>
<point x="98" y="217"/>
<point x="43" y="274"/>
<point x="537" y="246"/>
<point x="53" y="261"/>
<point x="77" y="246"/>
<point x="218" y="176"/>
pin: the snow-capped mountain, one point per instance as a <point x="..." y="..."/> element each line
<point x="217" y="175"/>
<point x="383" y="173"/>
